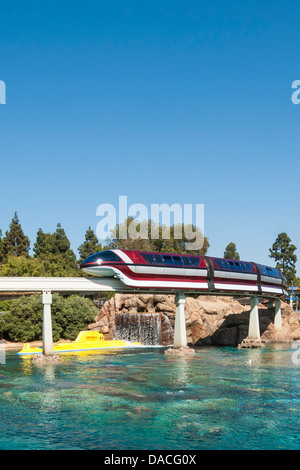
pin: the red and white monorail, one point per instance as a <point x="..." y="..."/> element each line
<point x="166" y="271"/>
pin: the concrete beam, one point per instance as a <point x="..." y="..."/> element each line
<point x="92" y="285"/>
<point x="62" y="284"/>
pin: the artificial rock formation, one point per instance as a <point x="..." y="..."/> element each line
<point x="40" y="359"/>
<point x="209" y="320"/>
<point x="184" y="351"/>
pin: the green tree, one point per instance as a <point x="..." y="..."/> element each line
<point x="15" y="242"/>
<point x="1" y="246"/>
<point x="90" y="245"/>
<point x="23" y="322"/>
<point x="283" y="251"/>
<point x="54" y="250"/>
<point x="230" y="251"/>
<point x="155" y="237"/>
<point x="62" y="244"/>
<point x="45" y="244"/>
<point x="22" y="266"/>
<point x="77" y="313"/>
<point x="175" y="239"/>
<point x="118" y="240"/>
<point x="56" y="243"/>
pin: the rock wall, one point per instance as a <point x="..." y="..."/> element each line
<point x="209" y="320"/>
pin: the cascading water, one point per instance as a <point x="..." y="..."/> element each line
<point x="142" y="327"/>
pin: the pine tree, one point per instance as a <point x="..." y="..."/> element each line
<point x="283" y="251"/>
<point x="45" y="244"/>
<point x="54" y="249"/>
<point x="15" y="242"/>
<point x="61" y="241"/>
<point x="90" y="245"/>
<point x="0" y="246"/>
<point x="230" y="251"/>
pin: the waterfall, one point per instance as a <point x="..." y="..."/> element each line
<point x="142" y="327"/>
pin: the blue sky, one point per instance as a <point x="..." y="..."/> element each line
<point x="176" y="101"/>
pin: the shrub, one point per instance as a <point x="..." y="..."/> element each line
<point x="75" y="315"/>
<point x="23" y="322"/>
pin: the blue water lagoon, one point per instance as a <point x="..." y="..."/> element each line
<point x="221" y="398"/>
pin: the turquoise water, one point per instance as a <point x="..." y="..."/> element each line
<point x="146" y="400"/>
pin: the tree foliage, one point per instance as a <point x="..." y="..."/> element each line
<point x="54" y="251"/>
<point x="283" y="251"/>
<point x="77" y="313"/>
<point x="23" y="321"/>
<point x="21" y="266"/>
<point x="231" y="252"/>
<point x="150" y="236"/>
<point x="52" y="255"/>
<point x="1" y="241"/>
<point x="15" y="242"/>
<point x="90" y="245"/>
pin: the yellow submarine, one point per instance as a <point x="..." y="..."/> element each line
<point x="85" y="341"/>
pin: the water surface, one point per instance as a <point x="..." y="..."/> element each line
<point x="142" y="399"/>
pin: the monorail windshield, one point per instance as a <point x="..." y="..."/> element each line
<point x="103" y="256"/>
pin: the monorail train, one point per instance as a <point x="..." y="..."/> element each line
<point x="146" y="270"/>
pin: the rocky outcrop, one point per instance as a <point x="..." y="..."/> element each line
<point x="251" y="343"/>
<point x="209" y="320"/>
<point x="40" y="359"/>
<point x="180" y="351"/>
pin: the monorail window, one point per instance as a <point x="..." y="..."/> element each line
<point x="267" y="271"/>
<point x="158" y="259"/>
<point x="223" y="264"/>
<point x="167" y="259"/>
<point x="238" y="266"/>
<point x="177" y="260"/>
<point x="186" y="261"/>
<point x="148" y="257"/>
<point x="194" y="261"/>
<point x="233" y="265"/>
<point x="109" y="256"/>
<point x="247" y="267"/>
<point x="152" y="258"/>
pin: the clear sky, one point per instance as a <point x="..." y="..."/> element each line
<point x="165" y="101"/>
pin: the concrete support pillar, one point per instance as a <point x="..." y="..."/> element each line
<point x="47" y="324"/>
<point x="277" y="318"/>
<point x="180" y="328"/>
<point x="254" y="331"/>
